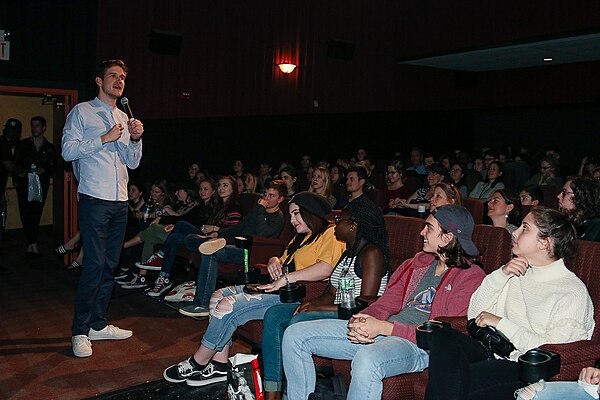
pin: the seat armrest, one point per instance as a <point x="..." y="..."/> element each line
<point x="457" y="323"/>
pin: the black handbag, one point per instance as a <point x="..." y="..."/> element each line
<point x="492" y="339"/>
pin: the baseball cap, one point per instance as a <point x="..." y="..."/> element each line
<point x="458" y="220"/>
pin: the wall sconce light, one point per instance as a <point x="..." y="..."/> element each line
<point x="287" y="68"/>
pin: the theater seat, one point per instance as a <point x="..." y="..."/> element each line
<point x="475" y="207"/>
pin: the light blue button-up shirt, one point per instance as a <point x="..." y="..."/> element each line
<point x="100" y="169"/>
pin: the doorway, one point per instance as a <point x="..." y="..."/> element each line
<point x="23" y="103"/>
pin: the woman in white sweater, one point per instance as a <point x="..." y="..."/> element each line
<point x="533" y="300"/>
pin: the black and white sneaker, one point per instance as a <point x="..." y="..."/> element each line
<point x="122" y="273"/>
<point x="181" y="372"/>
<point x="211" y="374"/>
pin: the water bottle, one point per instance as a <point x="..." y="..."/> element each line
<point x="421" y="211"/>
<point x="346" y="288"/>
<point x="147" y="212"/>
<point x="3" y="219"/>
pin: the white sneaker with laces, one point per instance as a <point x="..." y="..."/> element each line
<point x="110" y="332"/>
<point x="82" y="347"/>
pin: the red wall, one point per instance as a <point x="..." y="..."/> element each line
<point x="230" y="49"/>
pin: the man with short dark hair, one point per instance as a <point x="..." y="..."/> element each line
<point x="356" y="178"/>
<point x="37" y="155"/>
<point x="266" y="220"/>
<point x="102" y="142"/>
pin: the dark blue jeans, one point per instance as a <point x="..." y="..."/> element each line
<point x="206" y="282"/>
<point x="174" y="240"/>
<point x="102" y="225"/>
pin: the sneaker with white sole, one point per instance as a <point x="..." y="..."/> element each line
<point x="138" y="282"/>
<point x="154" y="263"/>
<point x="82" y="347"/>
<point x="210" y="374"/>
<point x="121" y="273"/>
<point x="211" y="246"/>
<point x="110" y="332"/>
<point x="184" y="292"/>
<point x="181" y="372"/>
<point x="161" y="285"/>
<point x="194" y="311"/>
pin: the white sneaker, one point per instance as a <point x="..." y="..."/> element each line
<point x="82" y="347"/>
<point x="211" y="246"/>
<point x="108" y="333"/>
<point x="184" y="292"/>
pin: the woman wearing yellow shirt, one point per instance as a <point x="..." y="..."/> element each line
<point x="310" y="256"/>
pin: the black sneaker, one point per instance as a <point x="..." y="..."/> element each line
<point x="210" y="374"/>
<point x="122" y="273"/>
<point x="180" y="372"/>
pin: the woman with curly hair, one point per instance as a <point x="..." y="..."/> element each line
<point x="579" y="200"/>
<point x="366" y="260"/>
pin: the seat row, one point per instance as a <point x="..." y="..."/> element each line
<point x="494" y="245"/>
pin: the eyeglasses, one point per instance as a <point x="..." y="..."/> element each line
<point x="565" y="192"/>
<point x="338" y="219"/>
<point x="390" y="172"/>
<point x="544" y="168"/>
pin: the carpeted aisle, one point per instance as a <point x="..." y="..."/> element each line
<point x="35" y="343"/>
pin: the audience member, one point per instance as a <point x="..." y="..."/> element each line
<point x="10" y="137"/>
<point x="355" y="182"/>
<point x="549" y="167"/>
<point x="562" y="390"/>
<point x="321" y="184"/>
<point x="444" y="194"/>
<point x="531" y="196"/>
<point x="579" y="200"/>
<point x="37" y="155"/>
<point x="416" y="161"/>
<point x="457" y="178"/>
<point x="435" y="174"/>
<point x="288" y="175"/>
<point x="534" y="299"/>
<point x="504" y="210"/>
<point x="395" y="187"/>
<point x="484" y="189"/>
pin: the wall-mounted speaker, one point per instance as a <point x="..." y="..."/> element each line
<point x="163" y="42"/>
<point x="340" y="50"/>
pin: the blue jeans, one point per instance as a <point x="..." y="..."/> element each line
<point x="102" y="225"/>
<point x="560" y="391"/>
<point x="388" y="356"/>
<point x="175" y="239"/>
<point x="277" y="319"/>
<point x="229" y="308"/>
<point x="206" y="282"/>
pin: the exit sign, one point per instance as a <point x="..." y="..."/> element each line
<point x="4" y="50"/>
<point x="4" y="45"/>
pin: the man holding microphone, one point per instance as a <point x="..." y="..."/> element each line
<point x="102" y="142"/>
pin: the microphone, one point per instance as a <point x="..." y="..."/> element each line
<point x="125" y="104"/>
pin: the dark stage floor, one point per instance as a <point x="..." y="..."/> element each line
<point x="35" y="341"/>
